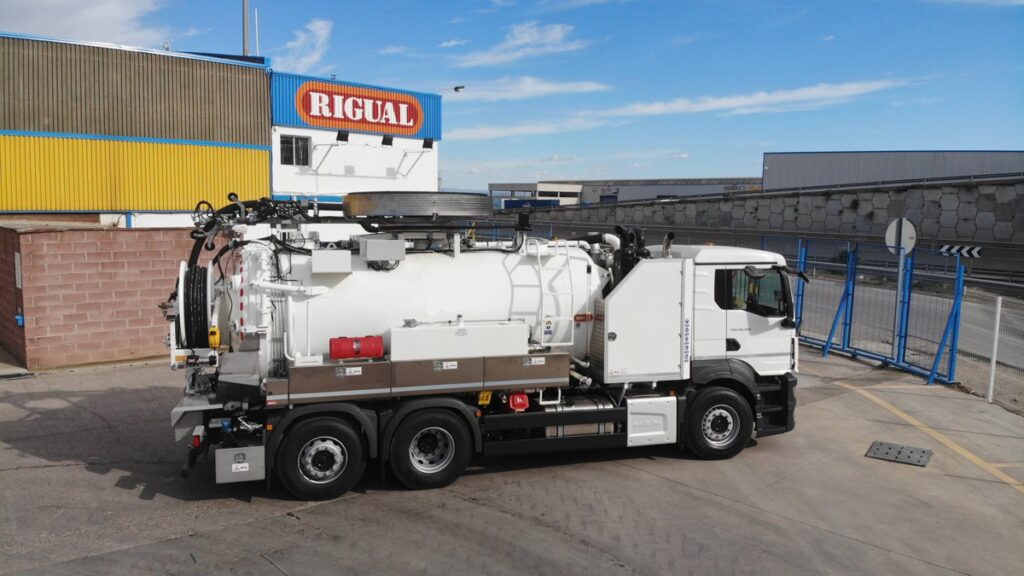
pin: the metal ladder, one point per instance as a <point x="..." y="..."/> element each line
<point x="543" y="318"/>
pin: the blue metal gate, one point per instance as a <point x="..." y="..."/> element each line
<point x="860" y="301"/>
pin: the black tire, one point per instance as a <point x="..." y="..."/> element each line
<point x="418" y="456"/>
<point x="719" y="423"/>
<point x="309" y="454"/>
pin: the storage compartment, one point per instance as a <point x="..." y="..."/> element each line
<point x="526" y="372"/>
<point x="651" y="420"/>
<point x="469" y="340"/>
<point x="240" y="464"/>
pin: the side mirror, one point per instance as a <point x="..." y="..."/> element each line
<point x="788" y="323"/>
<point x="755" y="273"/>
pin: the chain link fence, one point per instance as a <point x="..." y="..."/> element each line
<point x="992" y="324"/>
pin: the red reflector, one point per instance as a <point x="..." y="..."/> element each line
<point x="588" y="317"/>
<point x="241" y="305"/>
<point x="519" y="401"/>
<point x="241" y="291"/>
<point x="197" y="440"/>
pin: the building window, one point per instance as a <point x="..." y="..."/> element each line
<point x="294" y="151"/>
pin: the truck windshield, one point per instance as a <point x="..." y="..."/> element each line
<point x="765" y="296"/>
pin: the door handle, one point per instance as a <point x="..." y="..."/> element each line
<point x="732" y="345"/>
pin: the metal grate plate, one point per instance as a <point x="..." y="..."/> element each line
<point x="899" y="453"/>
<point x="417" y="204"/>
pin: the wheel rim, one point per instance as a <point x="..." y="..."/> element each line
<point x="322" y="460"/>
<point x="720" y="425"/>
<point x="431" y="450"/>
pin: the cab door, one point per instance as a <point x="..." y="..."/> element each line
<point x="759" y="321"/>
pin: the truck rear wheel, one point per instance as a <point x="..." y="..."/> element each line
<point x="718" y="423"/>
<point x="430" y="449"/>
<point x="321" y="458"/>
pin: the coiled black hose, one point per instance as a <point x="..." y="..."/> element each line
<point x="194" y="308"/>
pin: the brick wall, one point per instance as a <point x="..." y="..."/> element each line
<point x="91" y="295"/>
<point x="12" y="336"/>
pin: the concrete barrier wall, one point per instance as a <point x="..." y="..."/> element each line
<point x="91" y="296"/>
<point x="943" y="215"/>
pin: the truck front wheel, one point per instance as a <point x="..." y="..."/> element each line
<point x="430" y="449"/>
<point x="718" y="423"/>
<point x="321" y="458"/>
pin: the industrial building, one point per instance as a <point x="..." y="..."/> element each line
<point x="818" y="170"/>
<point x="135" y="137"/>
<point x="587" y="192"/>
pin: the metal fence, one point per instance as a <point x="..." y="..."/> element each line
<point x="872" y="301"/>
<point x="991" y="348"/>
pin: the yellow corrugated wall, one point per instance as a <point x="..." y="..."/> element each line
<point x="54" y="174"/>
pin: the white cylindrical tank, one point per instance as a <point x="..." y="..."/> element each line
<point x="478" y="285"/>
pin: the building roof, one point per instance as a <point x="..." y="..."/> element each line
<point x="813" y="170"/>
<point x="661" y="182"/>
<point x="222" y="59"/>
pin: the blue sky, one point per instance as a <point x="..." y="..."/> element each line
<point x="559" y="89"/>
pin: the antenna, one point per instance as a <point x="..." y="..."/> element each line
<point x="256" y="22"/>
<point x="245" y="27"/>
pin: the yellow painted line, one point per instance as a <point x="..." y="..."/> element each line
<point x="894" y="386"/>
<point x="1009" y="465"/>
<point x="942" y="438"/>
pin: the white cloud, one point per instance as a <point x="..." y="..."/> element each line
<point x="452" y="43"/>
<point x="391" y="50"/>
<point x="193" y="31"/>
<point x="308" y="47"/>
<point x="110" y="21"/>
<point x="776" y="101"/>
<point x="491" y="132"/>
<point x="829" y="37"/>
<point x="518" y="88"/>
<point x="457" y="20"/>
<point x="526" y="40"/>
<point x="679" y="155"/>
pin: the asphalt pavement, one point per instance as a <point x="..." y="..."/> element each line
<point x="89" y="484"/>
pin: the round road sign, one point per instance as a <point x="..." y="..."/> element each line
<point x="900" y="234"/>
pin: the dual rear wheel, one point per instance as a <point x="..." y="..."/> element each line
<point x="324" y="457"/>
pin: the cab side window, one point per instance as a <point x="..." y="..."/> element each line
<point x="765" y="296"/>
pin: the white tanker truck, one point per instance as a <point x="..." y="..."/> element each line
<point x="416" y="343"/>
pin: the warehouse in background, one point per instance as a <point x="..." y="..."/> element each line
<point x="809" y="171"/>
<point x="587" y="192"/>
<point x="89" y="129"/>
<point x="133" y="137"/>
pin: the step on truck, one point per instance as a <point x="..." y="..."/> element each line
<point x="398" y="328"/>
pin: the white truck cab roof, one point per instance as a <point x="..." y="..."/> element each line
<point x="727" y="255"/>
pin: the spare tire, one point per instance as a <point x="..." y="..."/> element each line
<point x="417" y="205"/>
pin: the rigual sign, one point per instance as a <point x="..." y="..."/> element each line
<point x="306" y="102"/>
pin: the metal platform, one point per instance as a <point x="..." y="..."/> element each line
<point x="417" y="205"/>
<point x="899" y="453"/>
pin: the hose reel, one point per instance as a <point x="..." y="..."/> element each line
<point x="193" y="304"/>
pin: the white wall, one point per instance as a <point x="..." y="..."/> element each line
<point x="361" y="164"/>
